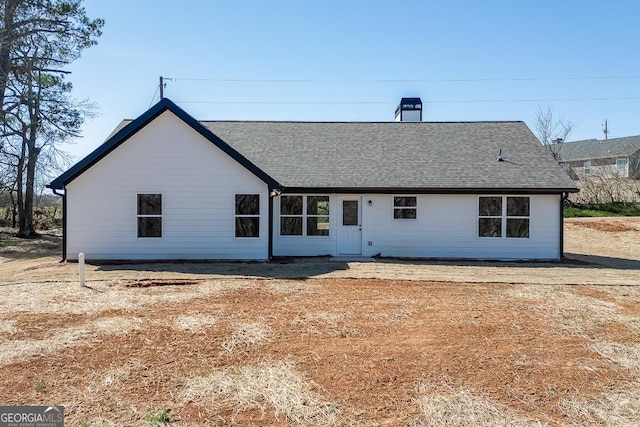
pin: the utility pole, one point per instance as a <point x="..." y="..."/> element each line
<point x="161" y="88"/>
<point x="605" y="129"/>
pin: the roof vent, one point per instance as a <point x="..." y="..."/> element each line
<point x="409" y="110"/>
<point x="557" y="140"/>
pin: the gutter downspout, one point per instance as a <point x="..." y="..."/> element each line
<point x="270" y="249"/>
<point x="273" y="193"/>
<point x="64" y="223"/>
<point x="563" y="198"/>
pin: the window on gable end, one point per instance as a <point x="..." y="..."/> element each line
<point x="149" y="213"/>
<point x="247" y="215"/>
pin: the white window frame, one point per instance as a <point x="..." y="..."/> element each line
<point x="404" y="208"/>
<point x="622" y="164"/>
<point x="161" y="216"/>
<point x="237" y="215"/>
<point x="307" y="215"/>
<point x="587" y="167"/>
<point x="304" y="216"/>
<point x="300" y="215"/>
<point x="504" y="218"/>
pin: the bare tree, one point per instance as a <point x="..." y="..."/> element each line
<point x="551" y="129"/>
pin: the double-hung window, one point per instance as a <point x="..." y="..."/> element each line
<point x="317" y="215"/>
<point x="291" y="215"/>
<point x="518" y="217"/>
<point x="405" y="207"/>
<point x="621" y="165"/>
<point x="587" y="167"/>
<point x="149" y="215"/>
<point x="490" y="217"/>
<point x="500" y="216"/>
<point x="304" y="215"/>
<point x="247" y="215"/>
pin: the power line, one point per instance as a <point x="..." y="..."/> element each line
<point x="499" y="79"/>
<point x="285" y="102"/>
<point x="154" y="97"/>
<point x="468" y="101"/>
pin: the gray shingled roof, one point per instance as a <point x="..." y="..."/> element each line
<point x="428" y="155"/>
<point x="419" y="157"/>
<point x="416" y="155"/>
<point x="598" y="149"/>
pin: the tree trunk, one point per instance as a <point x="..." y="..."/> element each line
<point x="29" y="137"/>
<point x="6" y="44"/>
<point x="14" y="210"/>
<point x="19" y="183"/>
<point x="27" y="229"/>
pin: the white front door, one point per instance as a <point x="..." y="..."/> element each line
<point x="350" y="229"/>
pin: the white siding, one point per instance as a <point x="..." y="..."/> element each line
<point x="198" y="183"/>
<point x="446" y="227"/>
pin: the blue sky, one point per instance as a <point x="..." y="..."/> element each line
<point x="352" y="60"/>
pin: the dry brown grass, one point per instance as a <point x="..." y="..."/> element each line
<point x="318" y="318"/>
<point x="574" y="313"/>
<point x="264" y="386"/>
<point x="626" y="355"/>
<point x="20" y="349"/>
<point x="70" y="298"/>
<point x="8" y="326"/>
<point x="288" y="286"/>
<point x="450" y="407"/>
<point x="57" y="339"/>
<point x="245" y="335"/>
<point x="615" y="408"/>
<point x="508" y="344"/>
<point x="194" y="322"/>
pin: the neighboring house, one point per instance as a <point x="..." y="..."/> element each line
<point x="592" y="158"/>
<point x="166" y="186"/>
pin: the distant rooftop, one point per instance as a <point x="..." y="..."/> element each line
<point x="598" y="148"/>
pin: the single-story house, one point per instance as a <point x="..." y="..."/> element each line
<point x="168" y="187"/>
<point x="593" y="158"/>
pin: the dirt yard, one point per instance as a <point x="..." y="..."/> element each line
<point x="320" y="342"/>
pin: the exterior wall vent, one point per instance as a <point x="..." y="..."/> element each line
<point x="409" y="110"/>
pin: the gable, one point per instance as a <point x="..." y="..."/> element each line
<point x="131" y="129"/>
<point x="163" y="155"/>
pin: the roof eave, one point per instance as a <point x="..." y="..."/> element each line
<point x="429" y="190"/>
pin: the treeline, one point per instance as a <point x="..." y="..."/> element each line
<point x="47" y="212"/>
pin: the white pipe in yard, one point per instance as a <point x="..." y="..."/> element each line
<point x="81" y="267"/>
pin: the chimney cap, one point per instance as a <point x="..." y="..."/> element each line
<point x="409" y="104"/>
